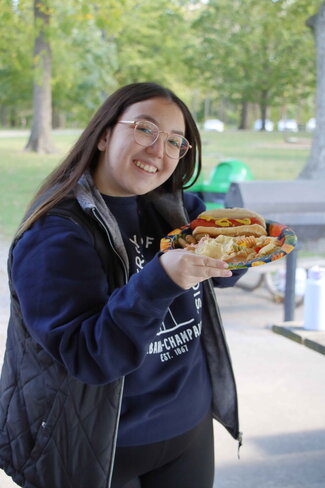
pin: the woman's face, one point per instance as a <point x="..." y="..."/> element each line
<point x="125" y="168"/>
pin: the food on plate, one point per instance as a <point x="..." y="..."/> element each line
<point x="229" y="222"/>
<point x="233" y="235"/>
<point x="236" y="249"/>
<point x="243" y="251"/>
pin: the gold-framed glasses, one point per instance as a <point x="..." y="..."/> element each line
<point x="146" y="133"/>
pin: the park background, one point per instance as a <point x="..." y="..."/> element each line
<point x="238" y="62"/>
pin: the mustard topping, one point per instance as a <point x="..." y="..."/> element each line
<point x="225" y="222"/>
<point x="207" y="218"/>
<point x="246" y="221"/>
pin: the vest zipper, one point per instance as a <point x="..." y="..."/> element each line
<point x="115" y="434"/>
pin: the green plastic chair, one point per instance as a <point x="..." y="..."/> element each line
<point x="220" y="179"/>
<point x="227" y="172"/>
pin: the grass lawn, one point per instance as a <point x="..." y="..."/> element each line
<point x="268" y="155"/>
<point x="21" y="175"/>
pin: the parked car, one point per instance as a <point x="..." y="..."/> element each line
<point x="269" y="126"/>
<point x="311" y="124"/>
<point x="214" y="124"/>
<point x="288" y="124"/>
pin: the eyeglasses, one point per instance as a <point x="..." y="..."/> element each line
<point x="146" y="133"/>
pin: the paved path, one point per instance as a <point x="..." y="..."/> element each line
<point x="281" y="392"/>
<point x="282" y="400"/>
<point x="4" y="296"/>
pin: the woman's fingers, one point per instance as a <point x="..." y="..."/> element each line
<point x="187" y="269"/>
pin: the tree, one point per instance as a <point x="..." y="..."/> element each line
<point x="15" y="62"/>
<point x="246" y="51"/>
<point x="226" y="53"/>
<point x="315" y="166"/>
<point x="40" y="139"/>
<point x="156" y="46"/>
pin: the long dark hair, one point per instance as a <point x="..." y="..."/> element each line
<point x="84" y="154"/>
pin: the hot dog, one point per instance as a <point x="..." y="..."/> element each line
<point x="234" y="235"/>
<point x="229" y="222"/>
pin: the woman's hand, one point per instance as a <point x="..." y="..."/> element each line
<point x="187" y="269"/>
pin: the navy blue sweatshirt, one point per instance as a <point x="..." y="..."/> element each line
<point x="148" y="330"/>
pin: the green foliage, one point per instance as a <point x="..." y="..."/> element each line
<point x="15" y="55"/>
<point x="259" y="52"/>
<point x="229" y="52"/>
<point x="155" y="47"/>
<point x="84" y="55"/>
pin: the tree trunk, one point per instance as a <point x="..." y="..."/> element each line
<point x="243" y="122"/>
<point x="40" y="139"/>
<point x="3" y="116"/>
<point x="58" y="120"/>
<point x="206" y="108"/>
<point x="315" y="166"/>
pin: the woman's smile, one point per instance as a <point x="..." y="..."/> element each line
<point x="146" y="167"/>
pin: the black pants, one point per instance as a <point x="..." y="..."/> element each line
<point x="186" y="461"/>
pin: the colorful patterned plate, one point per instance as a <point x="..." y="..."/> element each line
<point x="285" y="235"/>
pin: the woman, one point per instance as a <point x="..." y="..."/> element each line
<point x="116" y="360"/>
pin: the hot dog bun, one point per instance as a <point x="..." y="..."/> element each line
<point x="234" y="212"/>
<point x="230" y="222"/>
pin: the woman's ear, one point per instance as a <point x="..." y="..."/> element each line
<point x="103" y="141"/>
